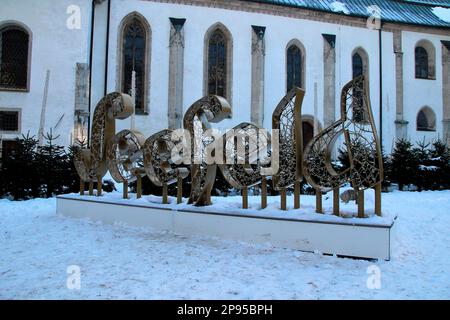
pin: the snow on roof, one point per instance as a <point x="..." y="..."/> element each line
<point x="416" y="12"/>
<point x="339" y="7"/>
<point x="442" y="13"/>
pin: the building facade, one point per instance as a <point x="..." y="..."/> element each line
<point x="59" y="58"/>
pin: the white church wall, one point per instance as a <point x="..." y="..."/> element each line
<point x="422" y="92"/>
<point x="99" y="55"/>
<point x="58" y="48"/>
<point x="55" y="47"/>
<point x="279" y="31"/>
<point x="389" y="93"/>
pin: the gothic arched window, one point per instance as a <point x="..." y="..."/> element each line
<point x="426" y="120"/>
<point x="217" y="64"/>
<point x="425" y="60"/>
<point x="421" y="63"/>
<point x="360" y="62"/>
<point x="14" y="57"/>
<point x="294" y="67"/>
<point x="135" y="44"/>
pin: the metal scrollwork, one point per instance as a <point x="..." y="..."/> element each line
<point x="92" y="164"/>
<point x="158" y="163"/>
<point x="287" y="120"/>
<point x="196" y="120"/>
<point x="125" y="156"/>
<point x="358" y="128"/>
<point x="246" y="148"/>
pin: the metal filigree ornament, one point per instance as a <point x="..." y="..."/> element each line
<point x="158" y="161"/>
<point x="358" y="128"/>
<point x="246" y="151"/>
<point x="286" y="119"/>
<point x="125" y="156"/>
<point x="92" y="164"/>
<point x="197" y="119"/>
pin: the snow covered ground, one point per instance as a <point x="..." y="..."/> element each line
<point x="37" y="246"/>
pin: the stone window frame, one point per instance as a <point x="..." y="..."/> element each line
<point x="229" y="57"/>
<point x="365" y="60"/>
<point x="430" y="115"/>
<point x="19" y="121"/>
<point x="299" y="45"/>
<point x="148" y="47"/>
<point x="26" y="29"/>
<point x="361" y="117"/>
<point x="431" y="51"/>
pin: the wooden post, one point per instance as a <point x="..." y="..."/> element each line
<point x="81" y="187"/>
<point x="164" y="194"/>
<point x="360" y="204"/>
<point x="336" y="201"/>
<point x="244" y="198"/>
<point x="263" y="193"/>
<point x="297" y="195"/>
<point x="378" y="199"/>
<point x="208" y="197"/>
<point x="319" y="201"/>
<point x="283" y="199"/>
<point x="139" y="187"/>
<point x="125" y="189"/>
<point x="179" y="190"/>
<point x="91" y="188"/>
<point x="99" y="186"/>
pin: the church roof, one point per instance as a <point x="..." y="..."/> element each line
<point x="434" y="13"/>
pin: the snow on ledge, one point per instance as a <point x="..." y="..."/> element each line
<point x="442" y="13"/>
<point x="233" y="206"/>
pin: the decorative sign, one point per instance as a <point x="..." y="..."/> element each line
<point x="246" y="154"/>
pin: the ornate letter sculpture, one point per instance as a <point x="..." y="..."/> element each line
<point x="159" y="165"/>
<point x="287" y="120"/>
<point x="246" y="170"/>
<point x="92" y="164"/>
<point x="358" y="127"/>
<point x="125" y="158"/>
<point x="197" y="120"/>
<point x="246" y="150"/>
<point x="240" y="155"/>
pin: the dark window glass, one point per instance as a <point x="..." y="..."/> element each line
<point x="134" y="59"/>
<point x="13" y="58"/>
<point x="217" y="64"/>
<point x="422" y="121"/>
<point x="308" y="133"/>
<point x="294" y="67"/>
<point x="8" y="147"/>
<point x="358" y="107"/>
<point x="426" y="120"/>
<point x="357" y="65"/>
<point x="9" y="121"/>
<point x="421" y="63"/>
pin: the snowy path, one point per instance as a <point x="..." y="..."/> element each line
<point x="37" y="246"/>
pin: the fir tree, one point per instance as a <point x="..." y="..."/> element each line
<point x="440" y="158"/>
<point x="52" y="162"/>
<point x="20" y="177"/>
<point x="422" y="175"/>
<point x="404" y="163"/>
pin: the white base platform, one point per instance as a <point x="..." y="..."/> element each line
<point x="351" y="239"/>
